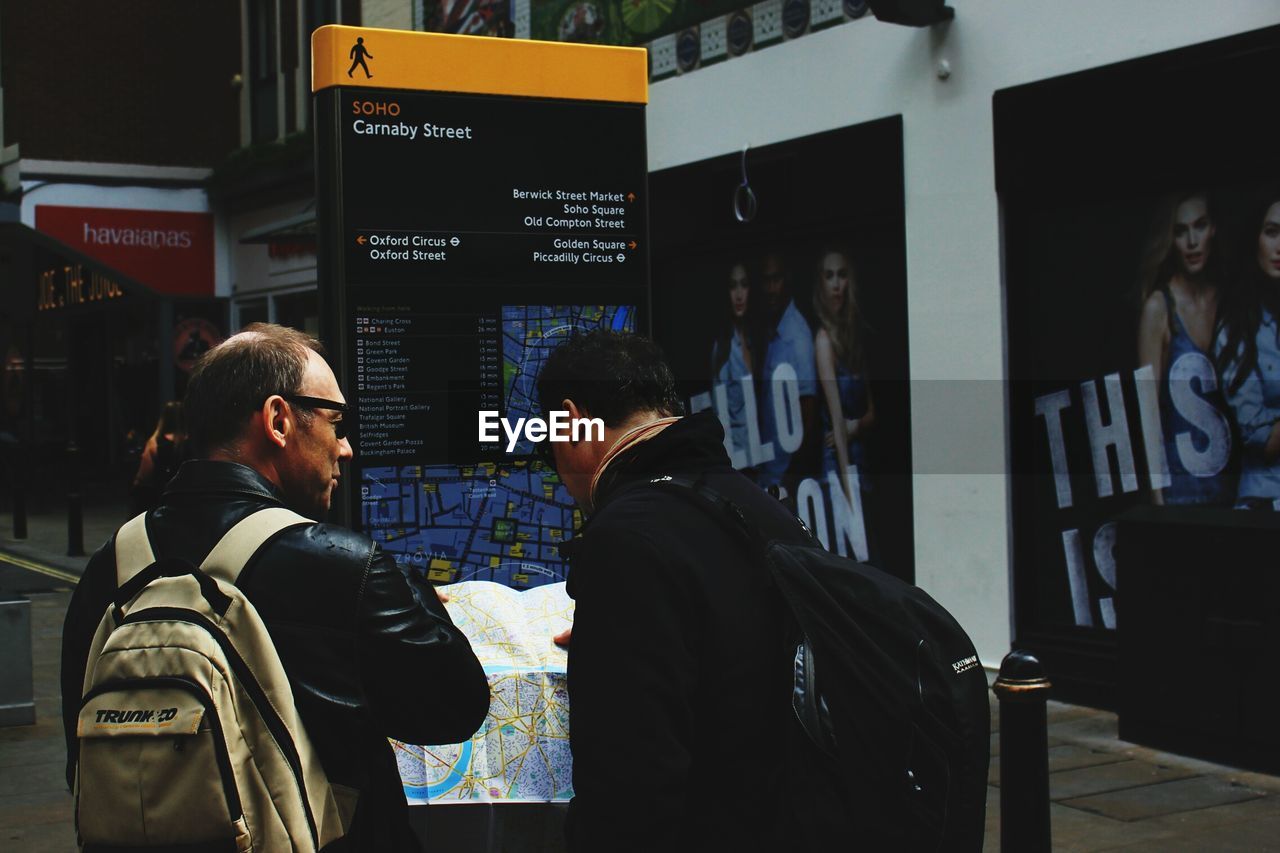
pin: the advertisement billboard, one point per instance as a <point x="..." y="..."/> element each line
<point x="780" y="297"/>
<point x="1142" y="260"/>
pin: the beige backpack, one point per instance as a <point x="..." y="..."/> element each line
<point x="189" y="737"/>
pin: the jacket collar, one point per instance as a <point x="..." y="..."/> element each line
<point x="209" y="477"/>
<point x="691" y="445"/>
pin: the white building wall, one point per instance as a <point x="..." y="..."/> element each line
<point x="867" y="70"/>
<point x="387" y="14"/>
<point x="35" y="193"/>
<point x="256" y="273"/>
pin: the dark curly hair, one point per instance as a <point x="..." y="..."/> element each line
<point x="612" y="375"/>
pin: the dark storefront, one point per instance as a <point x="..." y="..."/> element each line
<point x="1144" y="498"/>
<point x="90" y="356"/>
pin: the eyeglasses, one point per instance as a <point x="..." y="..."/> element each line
<point x="339" y="427"/>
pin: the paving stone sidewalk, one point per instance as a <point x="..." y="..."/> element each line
<point x="1107" y="794"/>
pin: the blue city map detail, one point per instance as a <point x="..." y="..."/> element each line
<point x="494" y="521"/>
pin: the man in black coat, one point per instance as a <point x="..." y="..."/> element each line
<point x="369" y="651"/>
<point x="679" y="680"/>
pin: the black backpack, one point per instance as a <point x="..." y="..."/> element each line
<point x="892" y="740"/>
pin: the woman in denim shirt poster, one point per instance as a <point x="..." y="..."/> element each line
<point x="731" y="367"/>
<point x="1181" y="284"/>
<point x="1248" y="356"/>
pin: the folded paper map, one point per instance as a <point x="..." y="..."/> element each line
<point x="521" y="753"/>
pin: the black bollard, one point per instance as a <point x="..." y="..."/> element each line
<point x="1023" y="690"/>
<point x="75" y="503"/>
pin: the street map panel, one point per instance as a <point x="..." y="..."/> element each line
<point x="493" y="521"/>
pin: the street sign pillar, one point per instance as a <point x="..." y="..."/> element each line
<point x="479" y="202"/>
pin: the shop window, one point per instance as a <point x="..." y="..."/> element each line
<point x="289" y="62"/>
<point x="251" y="311"/>
<point x="263" y="68"/>
<point x="300" y="311"/>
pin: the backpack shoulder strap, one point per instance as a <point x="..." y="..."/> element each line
<point x="727" y="512"/>
<point x="133" y="549"/>
<point x="242" y="541"/>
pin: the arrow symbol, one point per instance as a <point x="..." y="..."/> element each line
<point x="360" y="240"/>
<point x="631" y="245"/>
<point x="631" y="196"/>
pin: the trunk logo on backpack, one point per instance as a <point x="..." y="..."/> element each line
<point x="153" y="716"/>
<point x="965" y="664"/>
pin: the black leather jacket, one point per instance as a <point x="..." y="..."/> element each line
<point x="370" y="654"/>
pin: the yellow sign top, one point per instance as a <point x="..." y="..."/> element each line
<point x="399" y="59"/>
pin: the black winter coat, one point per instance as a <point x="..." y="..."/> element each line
<point x="679" y="679"/>
<point x="370" y="653"/>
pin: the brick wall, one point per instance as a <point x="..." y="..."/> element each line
<point x="130" y="81"/>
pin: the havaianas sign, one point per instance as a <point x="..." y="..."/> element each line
<point x="169" y="251"/>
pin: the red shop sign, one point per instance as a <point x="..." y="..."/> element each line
<point x="170" y="252"/>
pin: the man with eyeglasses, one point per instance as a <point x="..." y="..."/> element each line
<point x="369" y="650"/>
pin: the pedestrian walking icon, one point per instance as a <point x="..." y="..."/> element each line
<point x="358" y="54"/>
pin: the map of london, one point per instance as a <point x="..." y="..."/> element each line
<point x="492" y="521"/>
<point x="522" y="750"/>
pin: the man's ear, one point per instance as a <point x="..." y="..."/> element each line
<point x="574" y="413"/>
<point x="276" y="421"/>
